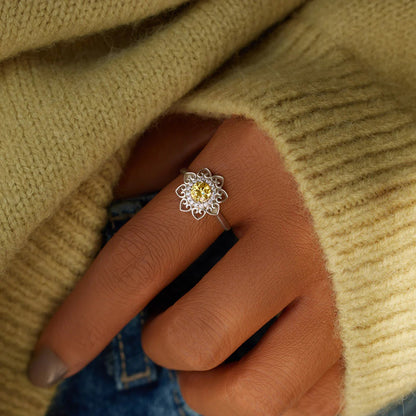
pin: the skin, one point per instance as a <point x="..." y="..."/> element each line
<point x="277" y="265"/>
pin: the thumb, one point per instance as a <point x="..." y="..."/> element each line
<point x="169" y="144"/>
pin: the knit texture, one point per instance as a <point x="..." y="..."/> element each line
<point x="34" y="23"/>
<point x="334" y="85"/>
<point x="69" y="113"/>
<point x="347" y="132"/>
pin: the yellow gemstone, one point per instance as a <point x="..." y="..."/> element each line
<point x="200" y="192"/>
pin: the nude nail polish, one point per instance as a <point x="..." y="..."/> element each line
<point x="46" y="368"/>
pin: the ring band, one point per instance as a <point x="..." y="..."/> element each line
<point x="202" y="193"/>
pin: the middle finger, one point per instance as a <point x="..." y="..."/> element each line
<point x="284" y="365"/>
<point x="240" y="294"/>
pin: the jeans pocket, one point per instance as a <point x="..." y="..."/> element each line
<point x="132" y="367"/>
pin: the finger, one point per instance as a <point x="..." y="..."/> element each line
<point x="292" y="356"/>
<point x="235" y="299"/>
<point x="276" y="261"/>
<point x="170" y="143"/>
<point x="325" y="397"/>
<point x="145" y="255"/>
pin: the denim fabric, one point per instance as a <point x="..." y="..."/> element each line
<point x="122" y="380"/>
<point x="407" y="407"/>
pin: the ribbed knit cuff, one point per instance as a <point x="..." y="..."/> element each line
<point x="42" y="275"/>
<point x="352" y="149"/>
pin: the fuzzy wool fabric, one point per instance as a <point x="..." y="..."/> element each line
<point x="333" y="82"/>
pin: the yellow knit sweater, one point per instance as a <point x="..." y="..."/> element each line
<point x="332" y="81"/>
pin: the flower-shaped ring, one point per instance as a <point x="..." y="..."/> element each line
<point x="202" y="193"/>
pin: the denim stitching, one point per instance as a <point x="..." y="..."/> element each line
<point x="125" y="378"/>
<point x="176" y="397"/>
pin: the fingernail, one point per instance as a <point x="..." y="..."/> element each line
<point x="46" y="368"/>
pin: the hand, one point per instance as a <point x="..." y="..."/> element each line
<point x="276" y="265"/>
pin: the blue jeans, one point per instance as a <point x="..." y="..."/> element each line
<point x="122" y="380"/>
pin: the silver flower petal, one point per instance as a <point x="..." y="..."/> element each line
<point x="197" y="214"/>
<point x="221" y="195"/>
<point x="205" y="172"/>
<point x="218" y="180"/>
<point x="213" y="209"/>
<point x="189" y="177"/>
<point x="180" y="190"/>
<point x="184" y="205"/>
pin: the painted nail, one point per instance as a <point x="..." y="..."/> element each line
<point x="46" y="368"/>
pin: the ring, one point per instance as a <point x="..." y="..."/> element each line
<point x="202" y="193"/>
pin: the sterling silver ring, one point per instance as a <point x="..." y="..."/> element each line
<point x="202" y="193"/>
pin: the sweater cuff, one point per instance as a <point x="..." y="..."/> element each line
<point x="351" y="147"/>
<point x="58" y="251"/>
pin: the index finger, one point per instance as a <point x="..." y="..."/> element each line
<point x="144" y="256"/>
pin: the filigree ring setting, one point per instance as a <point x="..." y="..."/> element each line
<point x="202" y="193"/>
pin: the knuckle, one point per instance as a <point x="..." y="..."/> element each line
<point x="252" y="393"/>
<point x="255" y="391"/>
<point x="312" y="406"/>
<point x="134" y="262"/>
<point x="332" y="409"/>
<point x="289" y="385"/>
<point x="200" y="338"/>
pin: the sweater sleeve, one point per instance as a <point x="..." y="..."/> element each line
<point x="334" y="86"/>
<point x="36" y="23"/>
<point x="69" y="112"/>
